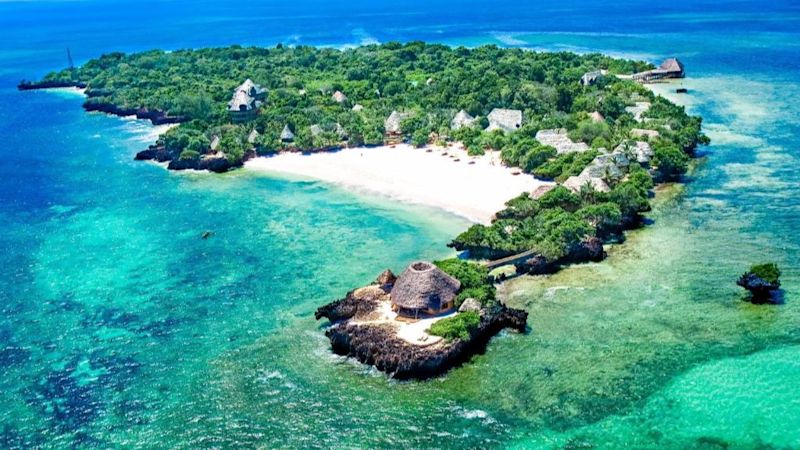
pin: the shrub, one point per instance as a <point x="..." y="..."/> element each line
<point x="189" y="154"/>
<point x="768" y="272"/>
<point x="473" y="277"/>
<point x="459" y="326"/>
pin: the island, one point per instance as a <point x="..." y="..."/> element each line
<point x="762" y="281"/>
<point x="584" y="127"/>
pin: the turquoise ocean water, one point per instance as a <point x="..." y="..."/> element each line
<point x="121" y="328"/>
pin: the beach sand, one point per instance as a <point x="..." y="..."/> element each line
<point x="434" y="176"/>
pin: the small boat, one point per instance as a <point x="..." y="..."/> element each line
<point x="471" y="162"/>
<point x="515" y="173"/>
<point x="429" y="151"/>
<point x="206" y="234"/>
<point x="456" y="160"/>
<point x="681" y="90"/>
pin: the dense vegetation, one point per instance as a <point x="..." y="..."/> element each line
<point x="430" y="83"/>
<point x="457" y="327"/>
<point x="768" y="272"/>
<point x="474" y="280"/>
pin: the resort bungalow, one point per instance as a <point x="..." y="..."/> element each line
<point x="423" y="289"/>
<point x="504" y="119"/>
<point x="590" y="78"/>
<point x="286" y="134"/>
<point x="252" y="138"/>
<point x="391" y="126"/>
<point x="670" y="68"/>
<point x="245" y="102"/>
<point x="461" y="119"/>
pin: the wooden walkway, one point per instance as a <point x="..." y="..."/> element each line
<point x="510" y="259"/>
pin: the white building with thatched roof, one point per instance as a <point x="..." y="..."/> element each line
<point x="590" y="78"/>
<point x="638" y="109"/>
<point x="339" y="97"/>
<point x="558" y="139"/>
<point x="286" y="134"/>
<point x="642" y="133"/>
<point x="424" y="289"/>
<point x="576" y="183"/>
<point x="504" y="119"/>
<point x="640" y="150"/>
<point x="461" y="119"/>
<point x="245" y="101"/>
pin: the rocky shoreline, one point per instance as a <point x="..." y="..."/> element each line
<point x="218" y="164"/>
<point x="156" y="117"/>
<point x="377" y="344"/>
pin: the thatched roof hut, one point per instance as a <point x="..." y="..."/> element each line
<point x="590" y="78"/>
<point x="286" y="134"/>
<point x="252" y="137"/>
<point x="315" y="130"/>
<point x="462" y="119"/>
<point x="341" y="132"/>
<point x="559" y="139"/>
<point x="504" y="119"/>
<point x="358" y="107"/>
<point x="576" y="183"/>
<point x="214" y="143"/>
<point x="339" y="97"/>
<point x="392" y="123"/>
<point x="643" y="133"/>
<point x="424" y="288"/>
<point x="670" y="68"/>
<point x="597" y="117"/>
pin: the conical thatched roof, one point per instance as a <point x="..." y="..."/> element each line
<point x="339" y="97"/>
<point x="251" y="138"/>
<point x="286" y="134"/>
<point x="392" y="123"/>
<point x="424" y="286"/>
<point x="315" y="130"/>
<point x="462" y="119"/>
<point x="358" y="107"/>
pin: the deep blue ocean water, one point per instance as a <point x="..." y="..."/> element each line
<point x="120" y="327"/>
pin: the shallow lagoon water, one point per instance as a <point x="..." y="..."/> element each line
<point x="123" y="328"/>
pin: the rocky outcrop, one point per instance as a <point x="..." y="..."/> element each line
<point x="217" y="164"/>
<point x="358" y="302"/>
<point x="762" y="291"/>
<point x="30" y="85"/>
<point x="377" y="345"/>
<point x="156" y="117"/>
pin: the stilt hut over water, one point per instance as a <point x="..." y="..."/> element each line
<point x="424" y="289"/>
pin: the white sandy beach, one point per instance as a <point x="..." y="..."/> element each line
<point x="442" y="178"/>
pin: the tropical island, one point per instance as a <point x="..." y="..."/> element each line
<point x="589" y="138"/>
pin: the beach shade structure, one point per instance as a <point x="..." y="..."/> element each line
<point x="424" y="289"/>
<point x="286" y="134"/>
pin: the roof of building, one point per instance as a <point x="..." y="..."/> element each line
<point x="214" y="142"/>
<point x="559" y="139"/>
<point x="541" y="190"/>
<point x="639" y="132"/>
<point x="241" y="101"/>
<point x="251" y="138"/>
<point x="576" y="183"/>
<point x="591" y="77"/>
<point x="597" y="117"/>
<point x="461" y="119"/>
<point x="638" y="109"/>
<point x="315" y="130"/>
<point x="286" y="134"/>
<point x="641" y="150"/>
<point x="672" y="65"/>
<point x="357" y="107"/>
<point x="340" y="131"/>
<point x="392" y="123"/>
<point x="424" y="286"/>
<point x="339" y="97"/>
<point x="504" y="119"/>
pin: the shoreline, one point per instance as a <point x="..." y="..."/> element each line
<point x="472" y="187"/>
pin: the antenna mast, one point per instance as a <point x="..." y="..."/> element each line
<point x="69" y="59"/>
